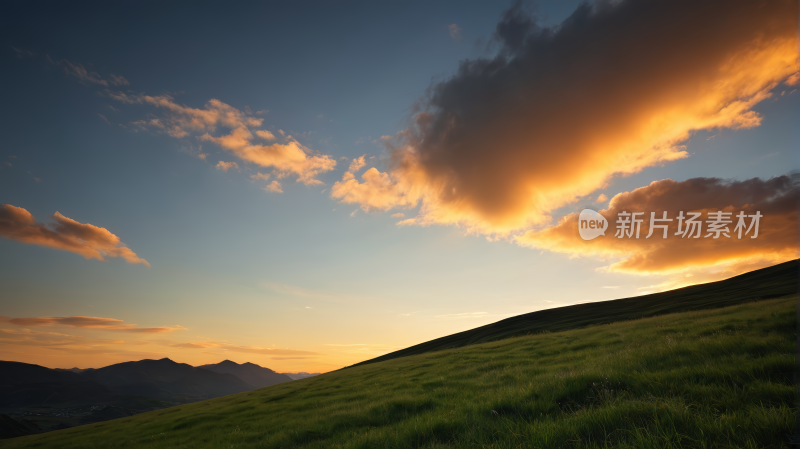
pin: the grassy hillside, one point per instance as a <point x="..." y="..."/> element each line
<point x="701" y="379"/>
<point x="771" y="282"/>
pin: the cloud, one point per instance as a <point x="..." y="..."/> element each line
<point x="180" y="121"/>
<point x="225" y="166"/>
<point x="89" y="241"/>
<point x="455" y="32"/>
<point x="192" y="151"/>
<point x="79" y="71"/>
<point x="88" y="322"/>
<point x="70" y="345"/>
<point x="262" y="176"/>
<point x="264" y="134"/>
<point x="399" y="215"/>
<point x="601" y="199"/>
<point x="364" y="348"/>
<point x="274" y="186"/>
<point x="119" y="80"/>
<point x="244" y="349"/>
<point x="776" y="199"/>
<point x="614" y="89"/>
<point x="357" y="164"/>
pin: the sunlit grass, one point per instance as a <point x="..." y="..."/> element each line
<point x="717" y="378"/>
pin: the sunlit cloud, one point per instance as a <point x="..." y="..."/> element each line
<point x="225" y="166"/>
<point x="289" y="158"/>
<point x="244" y="349"/>
<point x="363" y="348"/>
<point x="561" y="111"/>
<point x="89" y="241"/>
<point x="89" y="322"/>
<point x="357" y="164"/>
<point x="710" y="259"/>
<point x="274" y="186"/>
<point x="68" y="344"/>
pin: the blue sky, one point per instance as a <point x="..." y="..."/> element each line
<point x="300" y="270"/>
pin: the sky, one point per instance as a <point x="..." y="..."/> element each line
<point x="309" y="185"/>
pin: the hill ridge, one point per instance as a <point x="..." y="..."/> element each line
<point x="770" y="282"/>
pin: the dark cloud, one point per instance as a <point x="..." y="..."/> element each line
<point x="616" y="88"/>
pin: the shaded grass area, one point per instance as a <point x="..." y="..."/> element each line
<point x="771" y="282"/>
<point x="717" y="378"/>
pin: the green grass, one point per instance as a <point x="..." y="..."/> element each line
<point x="771" y="282"/>
<point x="718" y="378"/>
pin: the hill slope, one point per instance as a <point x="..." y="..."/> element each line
<point x="712" y="378"/>
<point x="770" y="282"/>
<point x="252" y="374"/>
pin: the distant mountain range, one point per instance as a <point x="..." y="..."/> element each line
<point x="33" y="397"/>
<point x="250" y="373"/>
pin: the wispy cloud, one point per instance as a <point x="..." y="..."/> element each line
<point x="455" y="32"/>
<point x="86" y="76"/>
<point x="322" y="295"/>
<point x="88" y="322"/>
<point x="287" y="158"/>
<point x="363" y="348"/>
<point x="225" y="166"/>
<point x="244" y="349"/>
<point x="91" y="242"/>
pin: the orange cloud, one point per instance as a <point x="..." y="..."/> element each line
<point x="88" y="322"/>
<point x="274" y="186"/>
<point x="244" y="349"/>
<point x="179" y="121"/>
<point x="89" y="241"/>
<point x="616" y="88"/>
<point x="775" y="199"/>
<point x="225" y="166"/>
<point x="357" y="164"/>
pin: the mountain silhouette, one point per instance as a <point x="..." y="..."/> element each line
<point x="167" y="380"/>
<point x="252" y="374"/>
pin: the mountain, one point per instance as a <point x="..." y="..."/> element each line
<point x="771" y="282"/>
<point x="250" y="373"/>
<point x="11" y="428"/>
<point x="166" y="380"/>
<point x="23" y="384"/>
<point x="300" y="375"/>
<point x="635" y="383"/>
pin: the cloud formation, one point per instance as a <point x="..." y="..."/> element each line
<point x="242" y="140"/>
<point x="455" y="31"/>
<point x="775" y="199"/>
<point x="357" y="164"/>
<point x="225" y="166"/>
<point x="88" y="322"/>
<point x="66" y="234"/>
<point x="244" y="349"/>
<point x="88" y="77"/>
<point x="614" y="89"/>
